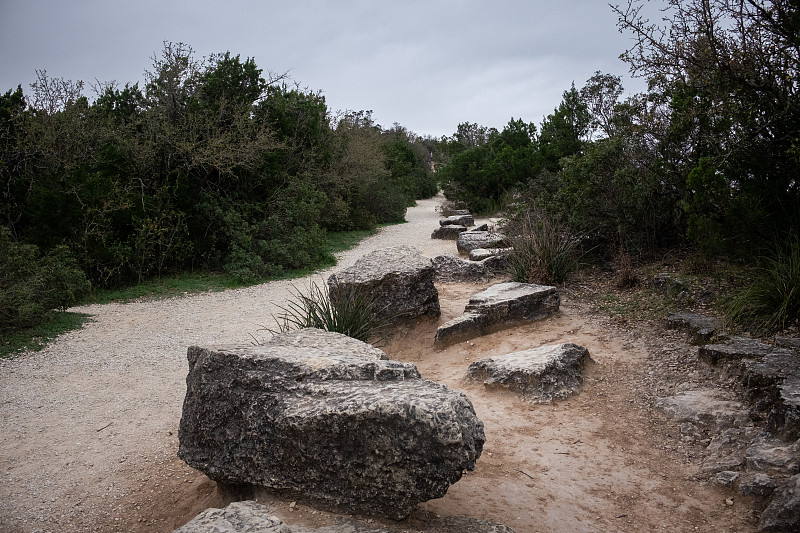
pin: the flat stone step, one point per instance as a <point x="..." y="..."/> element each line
<point x="501" y="306"/>
<point x="540" y="375"/>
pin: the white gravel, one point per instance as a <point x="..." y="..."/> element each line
<point x="109" y="396"/>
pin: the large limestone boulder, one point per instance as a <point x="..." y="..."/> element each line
<point x="470" y="240"/>
<point x="329" y="417"/>
<point x="452" y="269"/>
<point x="252" y="517"/>
<point x="501" y="306"/>
<point x="400" y="278"/>
<point x="541" y="375"/>
<point x="449" y="232"/>
<point x="458" y="220"/>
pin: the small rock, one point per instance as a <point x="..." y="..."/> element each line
<point x="756" y="484"/>
<point x="726" y="478"/>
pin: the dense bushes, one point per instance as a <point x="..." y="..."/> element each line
<point x="209" y="166"/>
<point x="32" y="286"/>
<point x="709" y="157"/>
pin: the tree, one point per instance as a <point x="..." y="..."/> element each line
<point x="563" y="132"/>
<point x="728" y="72"/>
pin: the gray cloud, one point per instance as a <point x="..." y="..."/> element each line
<point x="427" y="65"/>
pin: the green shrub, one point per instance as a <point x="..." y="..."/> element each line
<point x="772" y="301"/>
<point x="544" y="252"/>
<point x="32" y="286"/>
<point x="353" y="313"/>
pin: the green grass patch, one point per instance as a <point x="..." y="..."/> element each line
<point x="37" y="337"/>
<point x="195" y="282"/>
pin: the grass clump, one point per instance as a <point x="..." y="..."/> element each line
<point x="353" y="313"/>
<point x="37" y="337"/>
<point x="544" y="251"/>
<point x="772" y="301"/>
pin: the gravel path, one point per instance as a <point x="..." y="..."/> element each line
<point x="107" y="398"/>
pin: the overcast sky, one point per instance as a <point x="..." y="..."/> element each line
<point x="428" y="65"/>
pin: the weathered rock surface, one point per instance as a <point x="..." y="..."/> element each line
<point x="501" y="306"/>
<point x="771" y="378"/>
<point x="457" y="220"/>
<point x="496" y="264"/>
<point x="470" y="240"/>
<point x="448" y="233"/>
<point x="479" y="254"/>
<point x="400" y="278"/>
<point x="783" y="512"/>
<point x="735" y="349"/>
<point x="773" y="385"/>
<point x="702" y="328"/>
<point x="541" y="375"/>
<point x="252" y="517"/>
<point x="756" y="484"/>
<point x="708" y="408"/>
<point x="772" y="456"/>
<point x="452" y="269"/>
<point x="327" y="416"/>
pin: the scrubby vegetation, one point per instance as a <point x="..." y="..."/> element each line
<point x="210" y="166"/>
<point x="353" y="313"/>
<point x="707" y="159"/>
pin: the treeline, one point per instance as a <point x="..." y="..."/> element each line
<point x="710" y="155"/>
<point x="209" y="166"/>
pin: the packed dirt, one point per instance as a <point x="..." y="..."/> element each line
<point x="88" y="426"/>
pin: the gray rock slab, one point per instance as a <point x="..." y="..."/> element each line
<point x="326" y="416"/>
<point x="701" y="328"/>
<point x="457" y="220"/>
<point x="707" y="408"/>
<point x="540" y="375"/>
<point x="252" y="517"/>
<point x="452" y="269"/>
<point x="479" y="254"/>
<point x="783" y="512"/>
<point x="735" y="349"/>
<point x="448" y="233"/>
<point x="470" y="240"/>
<point x="773" y="456"/>
<point x="400" y="279"/>
<point x="501" y="306"/>
<point x="773" y="385"/>
<point x="756" y="484"/>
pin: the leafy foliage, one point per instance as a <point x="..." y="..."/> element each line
<point x="32" y="286"/>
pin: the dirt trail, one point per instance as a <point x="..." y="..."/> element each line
<point x="88" y="427"/>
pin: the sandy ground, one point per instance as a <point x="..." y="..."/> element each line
<point x="88" y="426"/>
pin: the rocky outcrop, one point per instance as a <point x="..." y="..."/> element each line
<point x="770" y="376"/>
<point x="449" y="232"/>
<point x="457" y="220"/>
<point x="735" y="349"/>
<point x="399" y="278"/>
<point x="329" y="417"/>
<point x="452" y="269"/>
<point x="702" y="328"/>
<point x="470" y="240"/>
<point x="783" y="512"/>
<point x="500" y="306"/>
<point x="540" y="375"/>
<point x="252" y="517"/>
